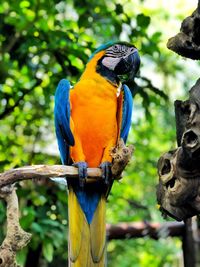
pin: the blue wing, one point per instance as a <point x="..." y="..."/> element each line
<point x="62" y="120"/>
<point x="126" y="112"/>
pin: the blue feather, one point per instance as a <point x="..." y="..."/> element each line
<point x="126" y="112"/>
<point x="62" y="120"/>
<point x="88" y="200"/>
<point x="89" y="196"/>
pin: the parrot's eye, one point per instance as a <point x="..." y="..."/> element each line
<point x="115" y="47"/>
<point x="132" y="49"/>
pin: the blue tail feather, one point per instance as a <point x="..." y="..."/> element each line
<point x="88" y="200"/>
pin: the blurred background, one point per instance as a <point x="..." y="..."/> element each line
<point x="43" y="41"/>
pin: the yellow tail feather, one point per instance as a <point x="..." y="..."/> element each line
<point x="86" y="241"/>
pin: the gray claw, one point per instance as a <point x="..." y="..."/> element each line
<point x="82" y="171"/>
<point x="106" y="171"/>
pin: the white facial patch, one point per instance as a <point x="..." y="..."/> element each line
<point x="110" y="62"/>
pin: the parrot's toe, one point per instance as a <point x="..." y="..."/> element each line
<point x="82" y="171"/>
<point x="106" y="172"/>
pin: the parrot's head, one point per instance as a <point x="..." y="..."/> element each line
<point x="119" y="61"/>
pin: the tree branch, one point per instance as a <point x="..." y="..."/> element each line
<point x="45" y="171"/>
<point x="178" y="191"/>
<point x="140" y="229"/>
<point x="16" y="238"/>
<point x="187" y="43"/>
<point x="121" y="156"/>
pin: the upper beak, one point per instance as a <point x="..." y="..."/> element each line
<point x="134" y="62"/>
<point x="129" y="65"/>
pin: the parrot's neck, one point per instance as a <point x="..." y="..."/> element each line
<point x="95" y="68"/>
<point x="107" y="74"/>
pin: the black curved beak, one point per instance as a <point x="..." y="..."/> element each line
<point x="128" y="65"/>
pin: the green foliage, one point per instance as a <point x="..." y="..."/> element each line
<point x="44" y="41"/>
<point x="47" y="249"/>
<point x="142" y="254"/>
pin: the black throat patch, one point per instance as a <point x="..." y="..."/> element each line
<point x="106" y="73"/>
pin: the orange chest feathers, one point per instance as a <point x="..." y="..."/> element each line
<point x="93" y="112"/>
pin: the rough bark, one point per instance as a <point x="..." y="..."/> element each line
<point x="187" y="42"/>
<point x="178" y="191"/>
<point x="141" y="229"/>
<point x="121" y="156"/>
<point x="16" y="238"/>
<point x="45" y="171"/>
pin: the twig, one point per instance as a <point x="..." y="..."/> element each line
<point x="140" y="229"/>
<point x="45" y="171"/>
<point x="16" y="238"/>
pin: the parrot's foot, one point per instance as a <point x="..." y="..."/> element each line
<point x="82" y="171"/>
<point x="106" y="171"/>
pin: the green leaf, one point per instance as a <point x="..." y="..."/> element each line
<point x="21" y="256"/>
<point x="143" y="21"/>
<point x="156" y="37"/>
<point x="24" y="4"/>
<point x="47" y="249"/>
<point x="119" y="9"/>
<point x="28" y="217"/>
<point x="37" y="228"/>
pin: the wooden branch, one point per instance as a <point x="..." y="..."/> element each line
<point x="178" y="191"/>
<point x="187" y="42"/>
<point x="16" y="238"/>
<point x="141" y="229"/>
<point x="45" y="171"/>
<point x="121" y="155"/>
<point x="181" y="119"/>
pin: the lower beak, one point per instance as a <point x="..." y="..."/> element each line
<point x="129" y="65"/>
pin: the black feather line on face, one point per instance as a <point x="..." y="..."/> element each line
<point x="118" y="50"/>
<point x="106" y="73"/>
<point x="121" y="71"/>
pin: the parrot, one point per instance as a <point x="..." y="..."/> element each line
<point x="90" y="118"/>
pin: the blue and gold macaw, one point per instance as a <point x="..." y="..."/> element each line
<point x="89" y="121"/>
